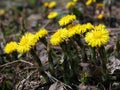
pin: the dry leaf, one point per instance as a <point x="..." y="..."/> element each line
<point x="56" y="86"/>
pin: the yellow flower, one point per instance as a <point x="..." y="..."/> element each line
<point x="100" y="27"/>
<point x="2" y="12"/>
<point x="66" y="20"/>
<point x="69" y="26"/>
<point x="26" y="42"/>
<point x="100" y="16"/>
<point x="99" y="5"/>
<point x="70" y="4"/>
<point x="46" y="4"/>
<point x="41" y="33"/>
<point x="89" y="2"/>
<point x="89" y="26"/>
<point x="60" y="36"/>
<point x="72" y="29"/>
<point x="10" y="47"/>
<point x="97" y="37"/>
<point x="80" y="29"/>
<point x="75" y="0"/>
<point x="52" y="15"/>
<point x="52" y="4"/>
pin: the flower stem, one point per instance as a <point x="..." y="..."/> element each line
<point x="50" y="59"/>
<point x="104" y="60"/>
<point x="67" y="69"/>
<point x="93" y="55"/>
<point x="82" y="47"/>
<point x="50" y="54"/>
<point x="41" y="69"/>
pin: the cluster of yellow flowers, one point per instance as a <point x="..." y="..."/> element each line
<point x="95" y="36"/>
<point x="89" y="2"/>
<point x="51" y="4"/>
<point x="27" y="41"/>
<point x="66" y="20"/>
<point x="70" y="31"/>
<point x="52" y="15"/>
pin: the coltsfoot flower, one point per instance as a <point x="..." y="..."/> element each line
<point x="100" y="16"/>
<point x="58" y="37"/>
<point x="99" y="5"/>
<point x="70" y="4"/>
<point x="97" y="37"/>
<point x="27" y="41"/>
<point x="2" y="12"/>
<point x="10" y="47"/>
<point x="72" y="29"/>
<point x="80" y="29"/>
<point x="89" y="2"/>
<point x="45" y="4"/>
<point x="41" y="33"/>
<point x="75" y="0"/>
<point x="52" y="4"/>
<point x="52" y="15"/>
<point x="67" y="19"/>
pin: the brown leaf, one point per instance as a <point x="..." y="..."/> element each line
<point x="56" y="86"/>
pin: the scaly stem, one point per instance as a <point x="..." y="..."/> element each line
<point x="50" y="53"/>
<point x="41" y="69"/>
<point x="104" y="60"/>
<point x="50" y="59"/>
<point x="67" y="69"/>
<point x="93" y="55"/>
<point x="82" y="47"/>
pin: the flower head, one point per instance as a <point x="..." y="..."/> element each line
<point x="2" y="12"/>
<point x="41" y="33"/>
<point x="75" y="0"/>
<point x="66" y="19"/>
<point x="97" y="37"/>
<point x="100" y="27"/>
<point x="26" y="42"/>
<point x="89" y="2"/>
<point x="45" y="4"/>
<point x="70" y="4"/>
<point x="99" y="5"/>
<point x="10" y="47"/>
<point x="80" y="29"/>
<point x="72" y="29"/>
<point x="52" y="4"/>
<point x="100" y="16"/>
<point x="52" y="15"/>
<point x="60" y="36"/>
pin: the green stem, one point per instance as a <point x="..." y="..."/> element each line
<point x="75" y="57"/>
<point x="104" y="59"/>
<point x="50" y="54"/>
<point x="67" y="71"/>
<point x="93" y="55"/>
<point x="50" y="59"/>
<point x="82" y="47"/>
<point x="41" y="68"/>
